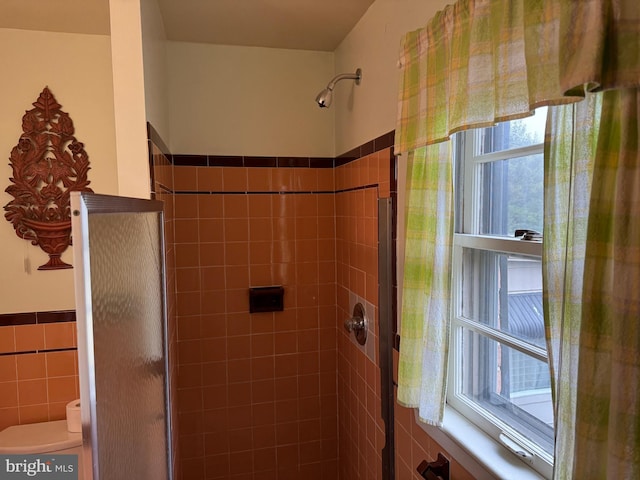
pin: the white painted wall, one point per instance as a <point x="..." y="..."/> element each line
<point x="156" y="94"/>
<point x="369" y="110"/>
<point x="259" y="101"/>
<point x="248" y="101"/>
<point x="77" y="70"/>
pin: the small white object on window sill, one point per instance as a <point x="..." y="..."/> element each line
<point x="515" y="447"/>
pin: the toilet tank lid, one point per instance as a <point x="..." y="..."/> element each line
<point x="41" y="437"/>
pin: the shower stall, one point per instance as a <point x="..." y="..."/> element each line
<point x="278" y="393"/>
<point x="286" y="392"/>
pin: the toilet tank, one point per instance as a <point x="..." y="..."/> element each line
<point x="42" y="438"/>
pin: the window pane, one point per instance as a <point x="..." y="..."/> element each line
<point x="514" y="134"/>
<point x="509" y="385"/>
<point x="511" y="195"/>
<point x="505" y="292"/>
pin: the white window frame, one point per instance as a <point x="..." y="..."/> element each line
<point x="527" y="451"/>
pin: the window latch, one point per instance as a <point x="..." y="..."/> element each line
<point x="515" y="447"/>
<point x="528" y="235"/>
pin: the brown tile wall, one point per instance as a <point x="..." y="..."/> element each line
<point x="38" y="370"/>
<point x="413" y="445"/>
<point x="359" y="185"/>
<point x="257" y="392"/>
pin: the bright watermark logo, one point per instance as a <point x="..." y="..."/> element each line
<point x="39" y="467"/>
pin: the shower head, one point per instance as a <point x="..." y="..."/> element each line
<point x="325" y="96"/>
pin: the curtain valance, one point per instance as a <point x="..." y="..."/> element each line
<point x="479" y="62"/>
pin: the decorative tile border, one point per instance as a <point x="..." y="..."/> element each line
<point x="44" y="350"/>
<point x="269" y="192"/>
<point x="154" y="137"/>
<point x="372" y="146"/>
<point x="32" y="318"/>
<point x="240" y="161"/>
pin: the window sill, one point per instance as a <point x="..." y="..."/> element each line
<point x="478" y="453"/>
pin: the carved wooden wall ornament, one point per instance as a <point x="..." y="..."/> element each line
<point x="48" y="163"/>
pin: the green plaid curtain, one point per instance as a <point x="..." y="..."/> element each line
<point x="482" y="61"/>
<point x="592" y="284"/>
<point x="607" y="436"/>
<point x="572" y="134"/>
<point x="427" y="281"/>
<point x="497" y="60"/>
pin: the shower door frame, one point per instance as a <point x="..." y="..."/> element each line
<point x="386" y="275"/>
<point x="84" y="204"/>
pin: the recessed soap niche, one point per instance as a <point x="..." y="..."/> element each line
<point x="266" y="299"/>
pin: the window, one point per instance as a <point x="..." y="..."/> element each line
<point x="499" y="376"/>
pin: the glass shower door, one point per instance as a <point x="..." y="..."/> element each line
<point x="122" y="352"/>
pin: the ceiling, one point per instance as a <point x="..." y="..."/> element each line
<point x="297" y="24"/>
<point x="73" y="16"/>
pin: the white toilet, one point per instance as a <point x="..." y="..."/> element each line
<point x="42" y="438"/>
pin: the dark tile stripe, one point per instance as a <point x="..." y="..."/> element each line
<point x="313" y="192"/>
<point x="239" y="161"/>
<point x="380" y="143"/>
<point x="189" y="160"/>
<point x="53" y="317"/>
<point x="367" y="149"/>
<point x="32" y="318"/>
<point x="293" y="162"/>
<point x="152" y="170"/>
<point x="164" y="189"/>
<point x="154" y="136"/>
<point x="350" y="156"/>
<point x="384" y="141"/>
<point x="260" y="162"/>
<point x="27" y="352"/>
<point x="354" y="189"/>
<point x="393" y="173"/>
<point x="17" y="319"/>
<point x="321" y="162"/>
<point x="224" y="161"/>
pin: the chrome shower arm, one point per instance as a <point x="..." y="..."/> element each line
<point x="345" y="76"/>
